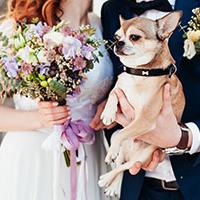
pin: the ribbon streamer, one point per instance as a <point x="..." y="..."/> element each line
<point x="70" y="135"/>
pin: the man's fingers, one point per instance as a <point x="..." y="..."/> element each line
<point x="125" y="106"/>
<point x="162" y="156"/>
<point x="166" y="98"/>
<point x="136" y="168"/>
<point x="154" y="162"/>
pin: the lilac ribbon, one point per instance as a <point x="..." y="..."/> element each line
<point x="75" y="133"/>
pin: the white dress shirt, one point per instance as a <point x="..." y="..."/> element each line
<point x="164" y="170"/>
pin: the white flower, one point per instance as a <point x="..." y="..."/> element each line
<point x="27" y="55"/>
<point x="42" y="57"/>
<point x="71" y="47"/>
<point x="193" y="35"/>
<point x="19" y="41"/>
<point x="189" y="49"/>
<point x="8" y="27"/>
<point x="55" y="37"/>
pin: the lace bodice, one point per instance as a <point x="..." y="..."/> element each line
<point x="97" y="86"/>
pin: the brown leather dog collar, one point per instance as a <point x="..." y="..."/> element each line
<point x="170" y="70"/>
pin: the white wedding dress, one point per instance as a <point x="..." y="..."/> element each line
<point x="27" y="172"/>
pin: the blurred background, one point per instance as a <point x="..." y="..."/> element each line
<point x="3" y="7"/>
<point x="96" y="6"/>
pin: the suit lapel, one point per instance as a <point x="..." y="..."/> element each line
<point x="176" y="41"/>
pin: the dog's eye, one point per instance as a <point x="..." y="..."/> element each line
<point x="134" y="37"/>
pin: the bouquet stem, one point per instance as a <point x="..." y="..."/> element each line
<point x="67" y="157"/>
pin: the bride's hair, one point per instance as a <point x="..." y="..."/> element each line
<point x="46" y="10"/>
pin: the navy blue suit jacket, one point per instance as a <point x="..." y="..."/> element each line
<point x="186" y="167"/>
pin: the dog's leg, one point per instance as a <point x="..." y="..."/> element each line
<point x="109" y="114"/>
<point x="119" y="161"/>
<point x="144" y="122"/>
<point x="144" y="151"/>
<point x="114" y="189"/>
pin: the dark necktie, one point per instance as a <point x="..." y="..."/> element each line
<point x="140" y="8"/>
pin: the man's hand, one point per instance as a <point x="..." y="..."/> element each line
<point x="167" y="132"/>
<point x="96" y="122"/>
<point x="157" y="157"/>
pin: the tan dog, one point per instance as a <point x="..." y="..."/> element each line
<point x="142" y="47"/>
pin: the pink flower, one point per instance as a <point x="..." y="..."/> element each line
<point x="66" y="30"/>
<point x="82" y="37"/>
<point x="26" y="68"/>
<point x="80" y="63"/>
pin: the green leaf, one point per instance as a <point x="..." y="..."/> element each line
<point x="100" y="54"/>
<point x="58" y="88"/>
<point x="1" y="87"/>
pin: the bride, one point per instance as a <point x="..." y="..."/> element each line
<point x="26" y="170"/>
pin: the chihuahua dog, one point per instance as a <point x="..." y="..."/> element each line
<point x="142" y="46"/>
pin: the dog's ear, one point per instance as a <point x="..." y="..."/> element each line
<point x="168" y="24"/>
<point x="121" y="20"/>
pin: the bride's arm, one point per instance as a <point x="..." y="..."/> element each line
<point x="47" y="114"/>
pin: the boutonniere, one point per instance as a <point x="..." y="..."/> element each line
<point x="192" y="35"/>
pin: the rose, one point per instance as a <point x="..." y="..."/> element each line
<point x="189" y="49"/>
<point x="55" y="37"/>
<point x="193" y="35"/>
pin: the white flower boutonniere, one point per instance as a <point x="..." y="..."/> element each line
<point x="192" y="36"/>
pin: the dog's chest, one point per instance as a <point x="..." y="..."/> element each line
<point x="138" y="90"/>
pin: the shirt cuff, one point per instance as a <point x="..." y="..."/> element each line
<point x="195" y="137"/>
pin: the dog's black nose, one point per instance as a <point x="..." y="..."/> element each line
<point x="120" y="44"/>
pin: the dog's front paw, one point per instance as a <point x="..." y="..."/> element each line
<point x="108" y="115"/>
<point x="114" y="189"/>
<point x="106" y="179"/>
<point x="112" y="154"/>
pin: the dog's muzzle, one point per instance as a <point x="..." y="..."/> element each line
<point x="119" y="45"/>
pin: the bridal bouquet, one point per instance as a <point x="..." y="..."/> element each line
<point x="192" y="36"/>
<point x="49" y="64"/>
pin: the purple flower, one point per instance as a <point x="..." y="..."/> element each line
<point x="43" y="70"/>
<point x="80" y="63"/>
<point x="11" y="67"/>
<point x="86" y="51"/>
<point x="41" y="29"/>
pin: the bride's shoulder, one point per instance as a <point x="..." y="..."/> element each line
<point x="95" y="21"/>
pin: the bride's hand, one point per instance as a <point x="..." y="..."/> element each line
<point x="52" y="114"/>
